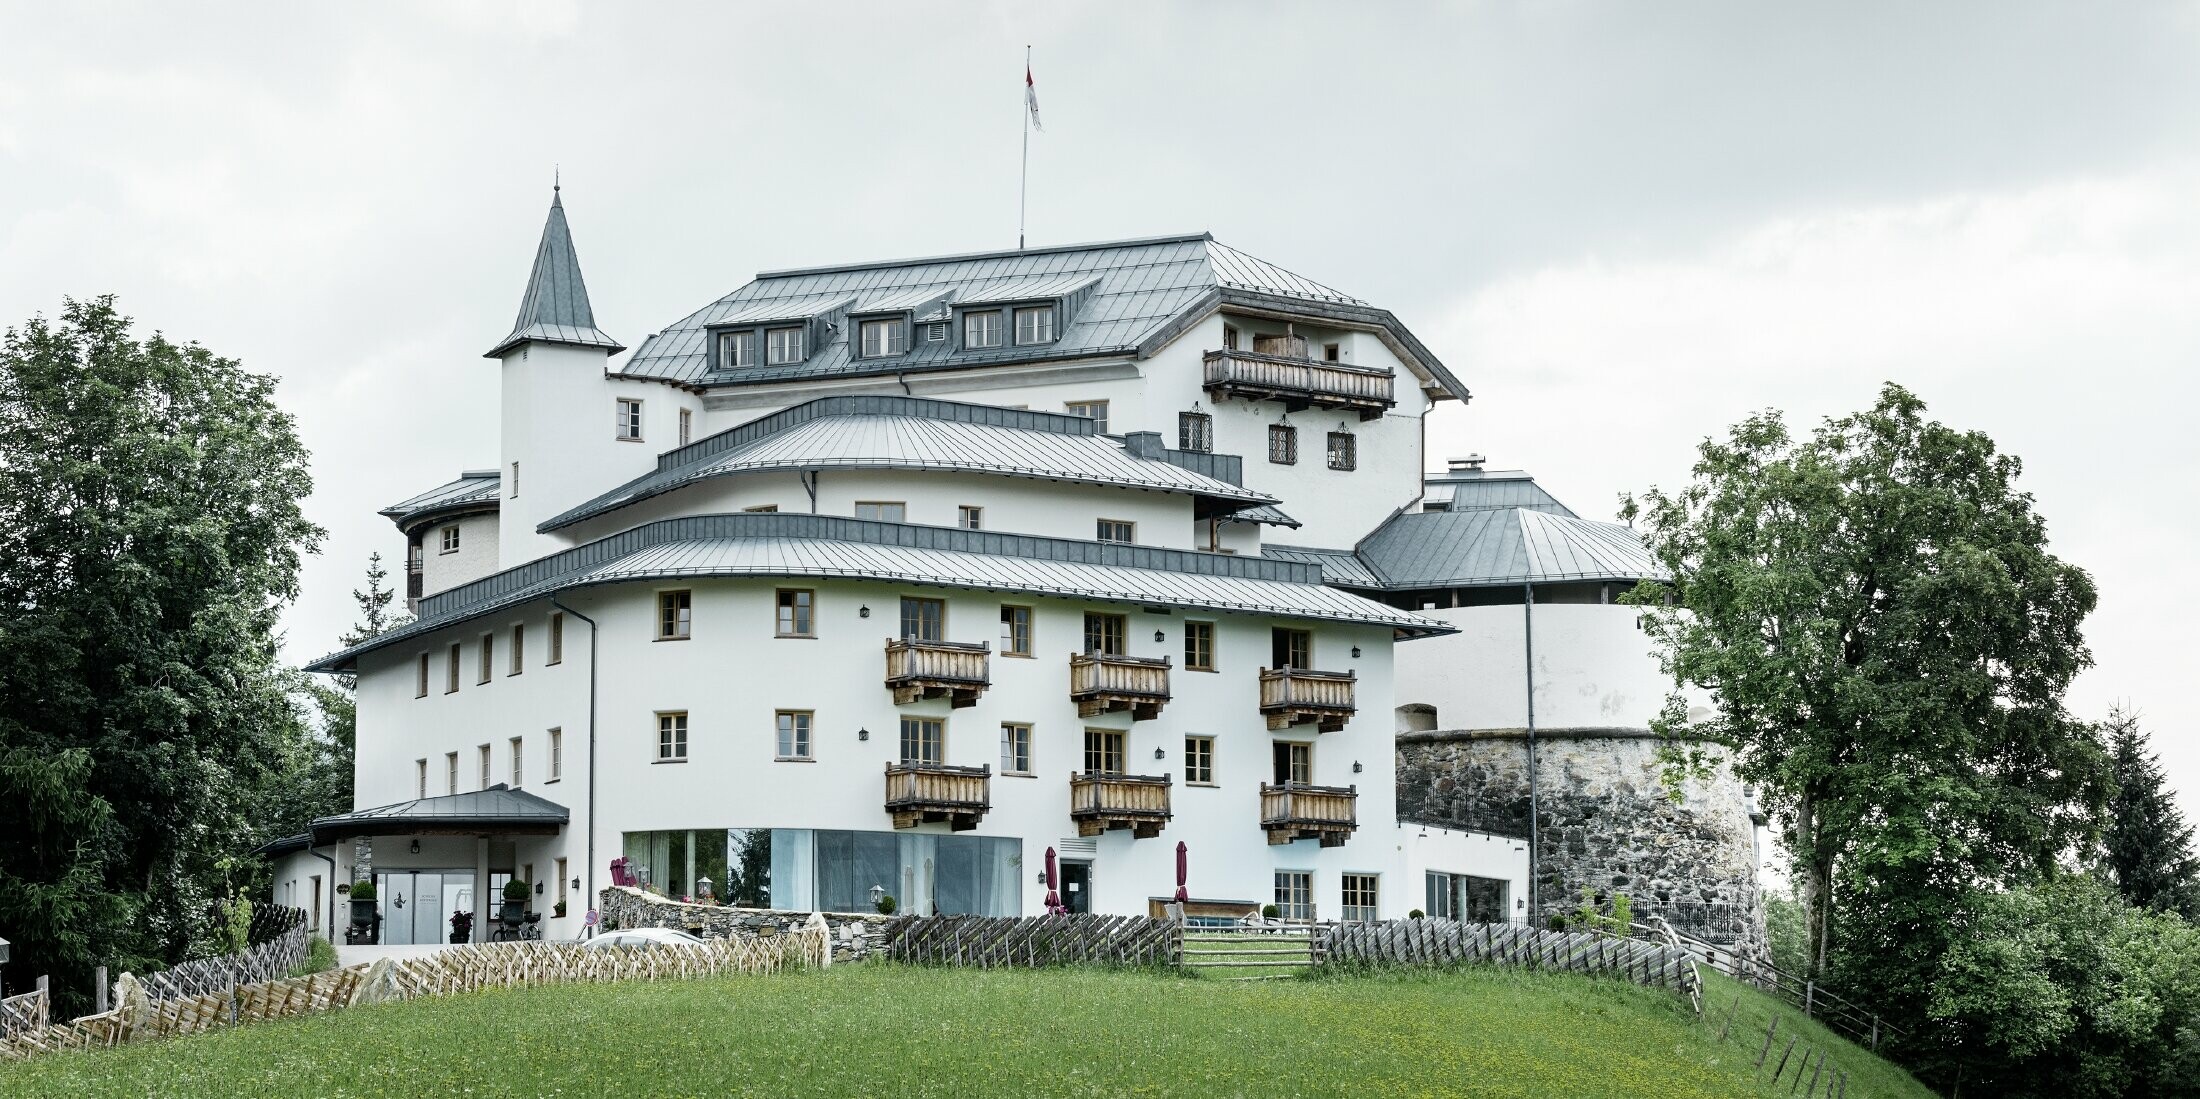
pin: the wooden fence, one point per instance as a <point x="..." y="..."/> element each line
<point x="139" y="1016"/>
<point x="280" y="944"/>
<point x="25" y="1012"/>
<point x="1449" y="942"/>
<point x="1839" y="1014"/>
<point x="1026" y="942"/>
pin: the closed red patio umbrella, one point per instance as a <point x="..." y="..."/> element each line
<point x="1054" y="886"/>
<point x="1183" y="873"/>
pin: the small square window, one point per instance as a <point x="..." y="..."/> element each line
<point x="982" y="329"/>
<point x="627" y="424"/>
<point x="1116" y="530"/>
<point x="1015" y="748"/>
<point x="675" y="615"/>
<point x="1096" y="411"/>
<point x="736" y="349"/>
<point x="1199" y="760"/>
<point x="1199" y="646"/>
<point x="1034" y="324"/>
<point x="1344" y="450"/>
<point x="885" y="511"/>
<point x="450" y="539"/>
<point x="1283" y="444"/>
<point x="1015" y="630"/>
<point x="794" y="734"/>
<point x="1332" y="353"/>
<point x="795" y="613"/>
<point x="884" y="337"/>
<point x="672" y="736"/>
<point x="1195" y="431"/>
<point x="970" y="518"/>
<point x="783" y="346"/>
<point x="923" y="740"/>
<point x="1105" y="751"/>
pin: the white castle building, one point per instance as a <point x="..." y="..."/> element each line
<point x="886" y="578"/>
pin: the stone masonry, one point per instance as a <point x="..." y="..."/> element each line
<point x="854" y="933"/>
<point x="1606" y="822"/>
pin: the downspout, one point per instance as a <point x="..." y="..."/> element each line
<point x="1528" y="637"/>
<point x="590" y="895"/>
<point x="330" y="928"/>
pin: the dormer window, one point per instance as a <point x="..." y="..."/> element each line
<point x="1034" y="324"/>
<point x="736" y="349"/>
<point x="783" y="346"/>
<point x="884" y="337"/>
<point x="982" y="328"/>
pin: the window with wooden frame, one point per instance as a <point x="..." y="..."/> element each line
<point x="1015" y="748"/>
<point x="1359" y="898"/>
<point x="450" y="670"/>
<point x="796" y="613"/>
<point x="1096" y="411"/>
<point x="672" y="736"/>
<point x="557" y="754"/>
<point x="420" y="776"/>
<point x="736" y="349"/>
<point x="450" y="772"/>
<point x="561" y="882"/>
<point x="793" y="727"/>
<point x="1199" y="646"/>
<point x="627" y="420"/>
<point x="783" y="346"/>
<point x="1106" y="751"/>
<point x="981" y="329"/>
<point x="1015" y="630"/>
<point x="1199" y="760"/>
<point x="1121" y="531"/>
<point x="970" y="518"/>
<point x="557" y="639"/>
<point x="885" y="511"/>
<point x="488" y="664"/>
<point x="687" y="426"/>
<point x="422" y="688"/>
<point x="1344" y="450"/>
<point x="675" y="615"/>
<point x="449" y="541"/>
<point x="1291" y="648"/>
<point x="515" y="480"/>
<point x="923" y="619"/>
<point x="1295" y="894"/>
<point x="1034" y="324"/>
<point x="483" y="752"/>
<point x="1294" y="762"/>
<point x="882" y="338"/>
<point x="1229" y="337"/>
<point x="923" y="740"/>
<point x="1283" y="444"/>
<point x="519" y="772"/>
<point x="519" y="649"/>
<point x="1195" y="431"/>
<point x="1106" y="634"/>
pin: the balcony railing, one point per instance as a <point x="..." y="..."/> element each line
<point x="1101" y="801"/>
<point x="1291" y="695"/>
<point x="1100" y="683"/>
<point x="1297" y="811"/>
<point x="1299" y="383"/>
<point x="929" y="793"/>
<point x="932" y="669"/>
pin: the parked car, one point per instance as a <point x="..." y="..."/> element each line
<point x="642" y="938"/>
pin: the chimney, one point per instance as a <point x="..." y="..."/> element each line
<point x="1472" y="463"/>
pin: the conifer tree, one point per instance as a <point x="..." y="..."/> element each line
<point x="2147" y="846"/>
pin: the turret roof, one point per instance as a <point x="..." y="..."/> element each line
<point x="555" y="308"/>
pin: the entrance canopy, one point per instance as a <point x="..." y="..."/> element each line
<point x="496" y="811"/>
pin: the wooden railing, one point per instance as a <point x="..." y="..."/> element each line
<point x="1298" y="811"/>
<point x="930" y="669"/>
<point x="1100" y="683"/>
<point x="1100" y="801"/>
<point x="929" y="793"/>
<point x="1291" y="695"/>
<point x="1299" y="383"/>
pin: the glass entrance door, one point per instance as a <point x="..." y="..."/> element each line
<point x="1077" y="886"/>
<point x="417" y="904"/>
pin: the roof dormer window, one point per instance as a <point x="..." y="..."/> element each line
<point x="884" y="337"/>
<point x="1034" y="324"/>
<point x="982" y="329"/>
<point x="736" y="349"/>
<point x="783" y="346"/>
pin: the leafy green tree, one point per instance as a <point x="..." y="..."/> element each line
<point x="2147" y="846"/>
<point x="1888" y="638"/>
<point x="149" y="534"/>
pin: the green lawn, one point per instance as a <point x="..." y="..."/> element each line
<point x="879" y="1030"/>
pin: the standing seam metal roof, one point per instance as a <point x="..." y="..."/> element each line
<point x="555" y="307"/>
<point x="475" y="489"/>
<point x="1439" y="549"/>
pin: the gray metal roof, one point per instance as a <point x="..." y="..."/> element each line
<point x="888" y="432"/>
<point x="555" y="308"/>
<point x="1476" y="490"/>
<point x="1340" y="567"/>
<point x="794" y="545"/>
<point x="498" y="809"/>
<point x="1264" y="513"/>
<point x="1488" y="548"/>
<point x="1128" y="297"/>
<point x="475" y="490"/>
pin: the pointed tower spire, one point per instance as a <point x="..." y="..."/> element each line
<point x="555" y="308"/>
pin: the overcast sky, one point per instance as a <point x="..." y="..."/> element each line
<point x="1625" y="225"/>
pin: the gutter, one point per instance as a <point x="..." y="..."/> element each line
<point x="1528" y="644"/>
<point x="593" y="630"/>
<point x="330" y="928"/>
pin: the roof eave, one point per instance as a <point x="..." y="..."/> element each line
<point x="1395" y="334"/>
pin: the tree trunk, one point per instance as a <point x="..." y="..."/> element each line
<point x="1815" y="869"/>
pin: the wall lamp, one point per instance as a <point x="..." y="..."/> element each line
<point x="1159" y="753"/>
<point x="1159" y="637"/>
<point x="1355" y="766"/>
<point x="1355" y="652"/>
<point x="416" y="847"/>
<point x="863" y="734"/>
<point x="863" y="611"/>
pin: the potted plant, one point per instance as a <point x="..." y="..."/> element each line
<point x="363" y="914"/>
<point x="885" y="904"/>
<point x="557" y="911"/>
<point x="462" y="927"/>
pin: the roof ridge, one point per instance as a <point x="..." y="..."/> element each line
<point x="1003" y="253"/>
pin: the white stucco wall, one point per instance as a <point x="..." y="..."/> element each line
<point x="475" y="557"/>
<point x="1594" y="668"/>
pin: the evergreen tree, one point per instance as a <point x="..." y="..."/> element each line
<point x="2147" y="848"/>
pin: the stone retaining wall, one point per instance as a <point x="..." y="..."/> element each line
<point x="854" y="933"/>
<point x="1606" y="822"/>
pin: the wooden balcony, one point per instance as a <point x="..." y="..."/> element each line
<point x="1291" y="695"/>
<point x="1299" y="383"/>
<point x="1101" y="801"/>
<point x="930" y="793"/>
<point x="1297" y="811"/>
<point x="934" y="669"/>
<point x="1099" y="684"/>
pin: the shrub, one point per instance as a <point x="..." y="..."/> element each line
<point x="1270" y="911"/>
<point x="320" y="958"/>
<point x="362" y="891"/>
<point x="515" y="890"/>
<point x="886" y="905"/>
<point x="1416" y="914"/>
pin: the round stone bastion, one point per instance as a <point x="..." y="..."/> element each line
<point x="1606" y="822"/>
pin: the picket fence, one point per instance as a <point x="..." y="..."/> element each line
<point x="1034" y="941"/>
<point x="1429" y="942"/>
<point x="139" y="1015"/>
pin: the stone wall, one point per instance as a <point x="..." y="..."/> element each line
<point x="854" y="933"/>
<point x="1606" y="822"/>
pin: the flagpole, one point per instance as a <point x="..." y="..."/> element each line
<point x="1023" y="178"/>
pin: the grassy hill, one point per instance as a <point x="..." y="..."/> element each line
<point x="877" y="1030"/>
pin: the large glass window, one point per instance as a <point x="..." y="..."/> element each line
<point x="799" y="869"/>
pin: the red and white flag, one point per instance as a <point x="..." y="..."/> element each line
<point x="1031" y="98"/>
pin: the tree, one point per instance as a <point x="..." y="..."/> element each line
<point x="2147" y="846"/>
<point x="150" y="532"/>
<point x="1888" y="639"/>
<point x="375" y="616"/>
